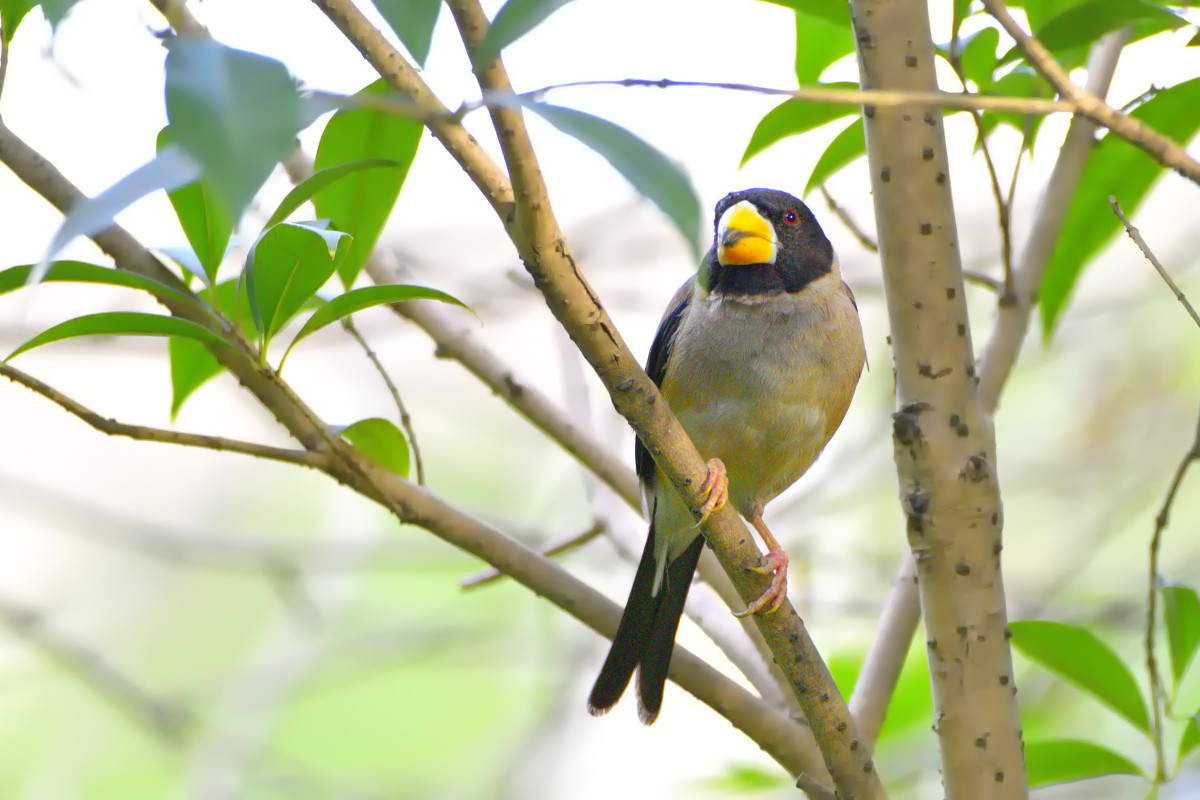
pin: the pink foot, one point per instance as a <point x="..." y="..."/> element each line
<point x="775" y="564"/>
<point x="715" y="489"/>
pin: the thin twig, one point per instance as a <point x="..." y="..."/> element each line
<point x="816" y="94"/>
<point x="986" y="281"/>
<point x="144" y="433"/>
<point x="844" y="217"/>
<point x="1141" y="98"/>
<point x="401" y="409"/>
<point x="564" y="545"/>
<point x="1157" y="695"/>
<point x="1012" y="191"/>
<point x="1136" y="235"/>
<point x="994" y="178"/>
<point x="410" y="108"/>
<point x="454" y="341"/>
<point x="1161" y="148"/>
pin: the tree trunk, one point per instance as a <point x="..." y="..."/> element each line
<point x="944" y="446"/>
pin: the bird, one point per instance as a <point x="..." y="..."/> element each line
<point x="758" y="355"/>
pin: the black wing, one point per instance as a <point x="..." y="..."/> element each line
<point x="656" y="368"/>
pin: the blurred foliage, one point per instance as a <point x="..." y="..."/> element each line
<point x="288" y="677"/>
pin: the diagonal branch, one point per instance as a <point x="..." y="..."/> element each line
<point x="103" y="424"/>
<point x="786" y="742"/>
<point x="128" y="254"/>
<point x="532" y="228"/>
<point x="455" y="341"/>
<point x="789" y="744"/>
<point x="546" y="256"/>
<point x="1088" y="104"/>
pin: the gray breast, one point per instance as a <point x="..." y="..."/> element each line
<point x="749" y="380"/>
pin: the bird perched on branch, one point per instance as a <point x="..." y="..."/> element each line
<point x="758" y="355"/>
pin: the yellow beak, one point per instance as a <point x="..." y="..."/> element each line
<point x="744" y="236"/>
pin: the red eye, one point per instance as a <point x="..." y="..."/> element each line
<point x="791" y="217"/>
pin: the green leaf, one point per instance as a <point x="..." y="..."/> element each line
<point x="1181" y="608"/>
<point x="285" y="268"/>
<point x="360" y="204"/>
<point x="56" y="10"/>
<point x="82" y="272"/>
<point x="819" y="43"/>
<point x="1039" y="11"/>
<point x="11" y="14"/>
<point x="747" y="779"/>
<point x="193" y="364"/>
<point x="651" y="173"/>
<point x="236" y="113"/>
<point x="381" y="441"/>
<point x="1195" y="40"/>
<point x="206" y="224"/>
<point x="1190" y="740"/>
<point x="1114" y="168"/>
<point x="959" y="12"/>
<point x="320" y="179"/>
<point x="978" y="57"/>
<point x="365" y="297"/>
<point x="1064" y="760"/>
<point x="169" y="170"/>
<point x="1076" y="25"/>
<point x="1080" y="657"/>
<point x="1020" y="82"/>
<point x="792" y="117"/>
<point x="413" y="21"/>
<point x="1082" y="24"/>
<point x="845" y="148"/>
<point x="120" y="323"/>
<point x="514" y="19"/>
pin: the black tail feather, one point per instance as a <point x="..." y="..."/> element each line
<point x="633" y="635"/>
<point x="656" y="658"/>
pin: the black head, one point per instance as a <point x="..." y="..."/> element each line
<point x="764" y="242"/>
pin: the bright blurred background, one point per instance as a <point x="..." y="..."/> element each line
<point x="186" y="623"/>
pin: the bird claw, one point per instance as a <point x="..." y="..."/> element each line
<point x="715" y="490"/>
<point x="774" y="563"/>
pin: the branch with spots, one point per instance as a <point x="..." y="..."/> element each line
<point x="901" y="612"/>
<point x="942" y="435"/>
